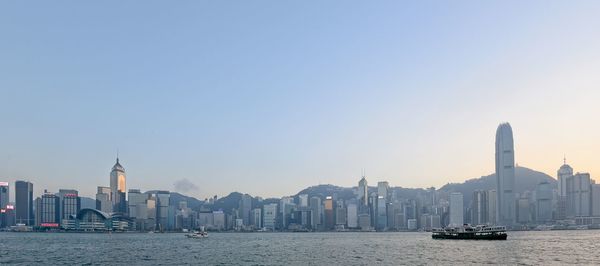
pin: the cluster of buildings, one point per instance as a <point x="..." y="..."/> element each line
<point x="113" y="211"/>
<point x="575" y="201"/>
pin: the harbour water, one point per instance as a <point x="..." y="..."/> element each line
<point x="530" y="248"/>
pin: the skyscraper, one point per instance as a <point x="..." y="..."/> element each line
<point x="70" y="203"/>
<point x="363" y="194"/>
<point x="103" y="202"/>
<point x="48" y="210"/>
<point x="543" y="195"/>
<point x="303" y="200"/>
<point x="383" y="189"/>
<point x="595" y="189"/>
<point x="316" y="209"/>
<point x="492" y="206"/>
<point x="118" y="188"/>
<point x="162" y="210"/>
<point x="479" y="207"/>
<point x="563" y="174"/>
<point x="505" y="175"/>
<point x="24" y="202"/>
<point x="245" y="206"/>
<point x="456" y="209"/>
<point x="328" y="217"/>
<point x="256" y="218"/>
<point x="270" y="216"/>
<point x="381" y="213"/>
<point x="3" y="203"/>
<point x="578" y="195"/>
<point x="352" y="215"/>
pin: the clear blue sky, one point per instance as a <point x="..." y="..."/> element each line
<point x="268" y="97"/>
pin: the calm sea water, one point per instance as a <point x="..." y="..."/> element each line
<point x="535" y="248"/>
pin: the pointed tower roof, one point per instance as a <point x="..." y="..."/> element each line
<point x="118" y="166"/>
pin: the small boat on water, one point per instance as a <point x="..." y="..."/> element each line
<point x="197" y="234"/>
<point x="480" y="232"/>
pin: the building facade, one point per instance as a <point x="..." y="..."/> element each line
<point x="24" y="202"/>
<point x="456" y="209"/>
<point x="118" y="188"/>
<point x="270" y="216"/>
<point x="505" y="175"/>
<point x="479" y="207"/>
<point x="4" y="202"/>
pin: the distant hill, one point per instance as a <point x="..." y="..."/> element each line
<point x="344" y="193"/>
<point x="525" y="179"/>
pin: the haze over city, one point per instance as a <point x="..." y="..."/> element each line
<point x="220" y="98"/>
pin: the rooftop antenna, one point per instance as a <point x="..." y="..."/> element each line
<point x="564" y="159"/>
<point x="117" y="155"/>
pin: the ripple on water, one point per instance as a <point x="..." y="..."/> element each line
<point x="550" y="247"/>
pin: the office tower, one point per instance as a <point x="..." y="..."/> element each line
<point x="24" y="202"/>
<point x="162" y="210"/>
<point x="316" y="210"/>
<point x="219" y="220"/>
<point x="578" y="195"/>
<point x="381" y="213"/>
<point x="492" y="206"/>
<point x="410" y="210"/>
<point x="103" y="202"/>
<point x="352" y="215"/>
<point x="363" y="194"/>
<point x="69" y="205"/>
<point x="456" y="209"/>
<point x="303" y="218"/>
<point x="303" y="200"/>
<point x="479" y="207"/>
<point x="328" y="213"/>
<point x="523" y="210"/>
<point x="285" y="209"/>
<point x="391" y="214"/>
<point x="373" y="208"/>
<point x="595" y="189"/>
<point x="136" y="198"/>
<point x="245" y="206"/>
<point x="118" y="188"/>
<point x="270" y="216"/>
<point x="256" y="218"/>
<point x="505" y="175"/>
<point x="48" y="211"/>
<point x="137" y="207"/>
<point x="543" y="202"/>
<point x="364" y="221"/>
<point x="4" y="197"/>
<point x="563" y="174"/>
<point x="383" y="189"/>
<point x="340" y="214"/>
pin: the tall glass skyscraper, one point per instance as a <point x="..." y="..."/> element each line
<point x="363" y="194"/>
<point x="24" y="202"/>
<point x="505" y="175"/>
<point x="118" y="188"/>
<point x="3" y="203"/>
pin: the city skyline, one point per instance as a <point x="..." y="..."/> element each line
<point x="360" y="188"/>
<point x="408" y="91"/>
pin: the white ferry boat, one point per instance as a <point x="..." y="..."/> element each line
<point x="480" y="232"/>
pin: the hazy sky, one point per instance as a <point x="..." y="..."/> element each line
<point x="269" y="97"/>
